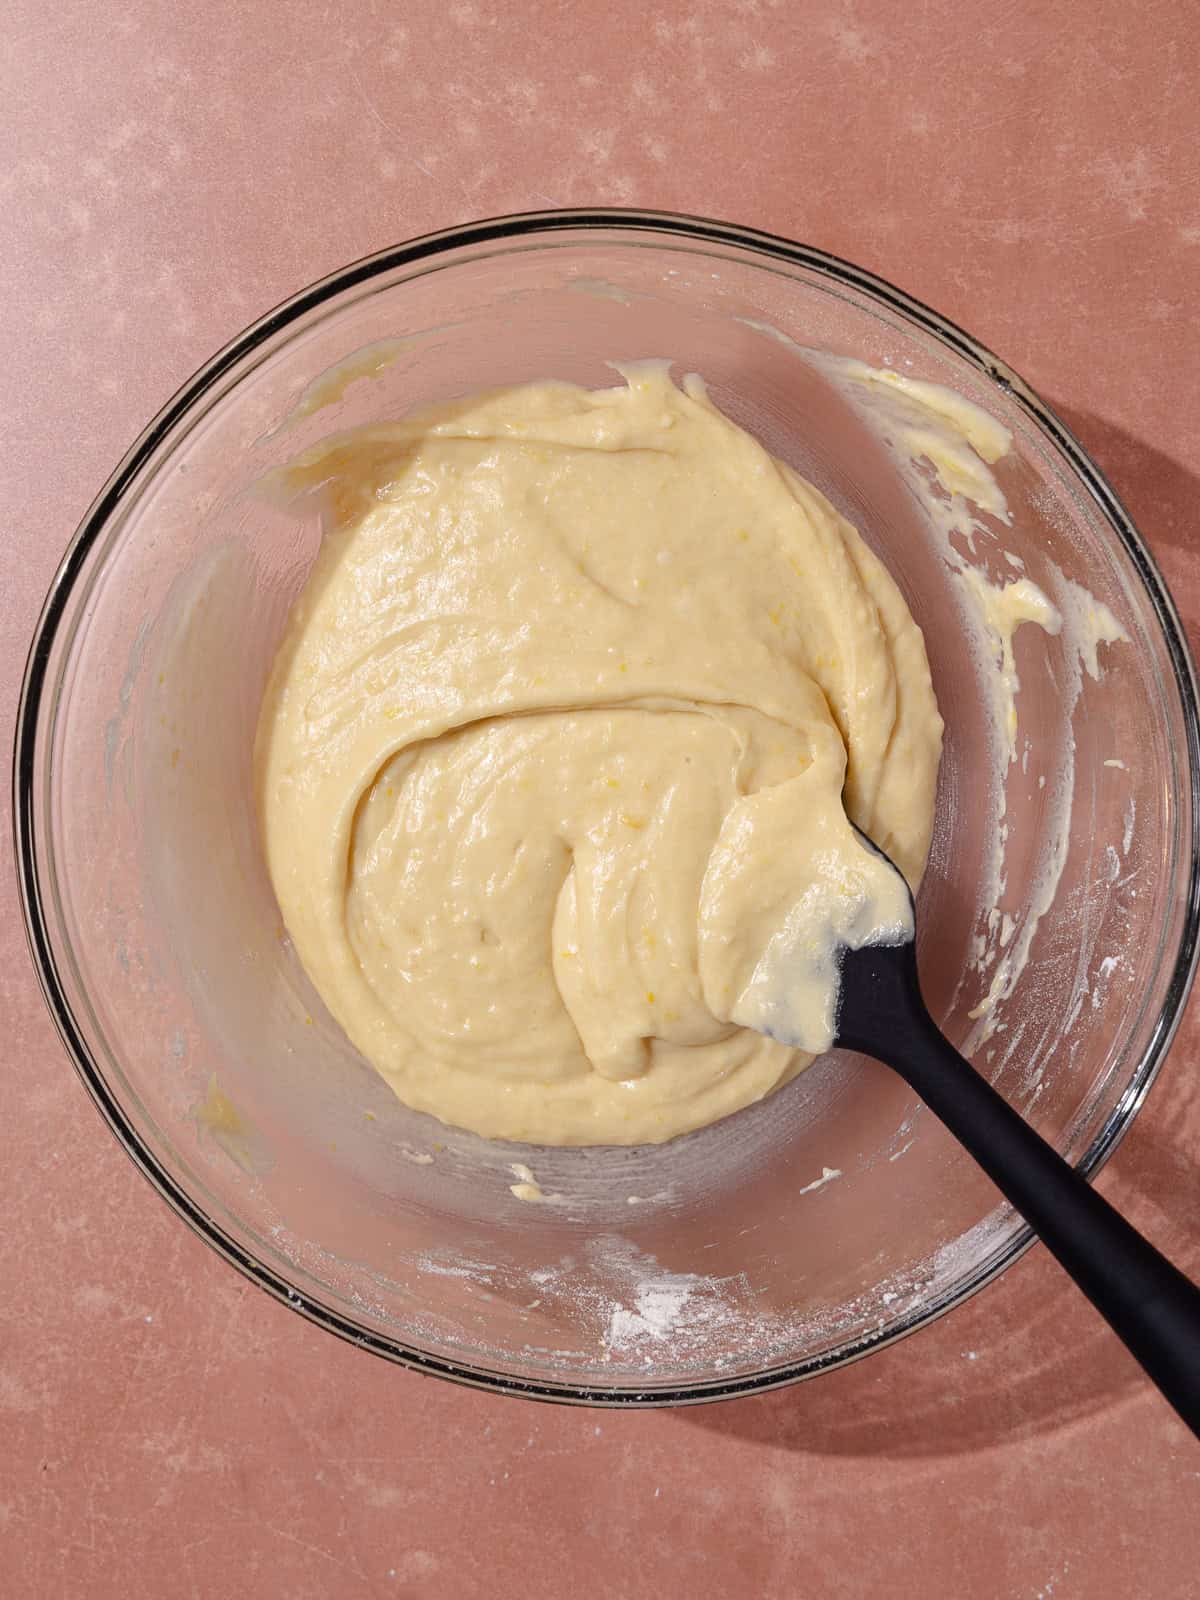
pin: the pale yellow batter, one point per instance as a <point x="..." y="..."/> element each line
<point x="554" y="756"/>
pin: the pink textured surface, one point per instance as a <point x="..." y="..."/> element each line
<point x="169" y="170"/>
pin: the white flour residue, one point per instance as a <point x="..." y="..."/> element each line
<point x="628" y="1310"/>
<point x="949" y="1265"/>
<point x="643" y="1313"/>
<point x="449" y="1264"/>
<point x="647" y="1316"/>
<point x="1104" y="972"/>
<point x="658" y="1306"/>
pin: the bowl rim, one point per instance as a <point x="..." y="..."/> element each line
<point x="542" y="226"/>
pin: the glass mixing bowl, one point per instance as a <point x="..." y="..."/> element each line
<point x="797" y="1235"/>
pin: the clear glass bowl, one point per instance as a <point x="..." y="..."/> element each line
<point x="718" y="1264"/>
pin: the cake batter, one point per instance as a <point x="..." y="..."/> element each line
<point x="559" y="755"/>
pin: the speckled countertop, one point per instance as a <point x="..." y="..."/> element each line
<point x="168" y="171"/>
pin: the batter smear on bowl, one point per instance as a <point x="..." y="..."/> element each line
<point x="559" y="755"/>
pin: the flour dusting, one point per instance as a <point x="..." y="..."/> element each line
<point x="656" y="1312"/>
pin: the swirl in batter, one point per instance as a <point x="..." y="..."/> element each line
<point x="557" y="755"/>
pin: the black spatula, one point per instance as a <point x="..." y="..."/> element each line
<point x="1147" y="1301"/>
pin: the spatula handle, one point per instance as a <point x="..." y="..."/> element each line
<point x="1148" y="1302"/>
